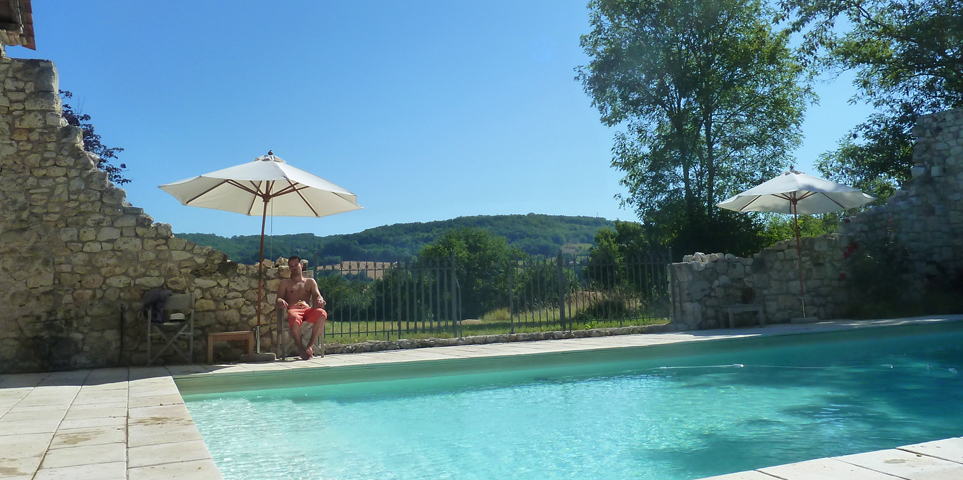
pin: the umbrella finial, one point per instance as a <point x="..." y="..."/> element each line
<point x="270" y="152"/>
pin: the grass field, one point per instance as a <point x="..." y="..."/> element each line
<point x="581" y="316"/>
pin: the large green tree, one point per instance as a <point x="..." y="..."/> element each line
<point x="908" y="60"/>
<point x="710" y="100"/>
<point x="481" y="266"/>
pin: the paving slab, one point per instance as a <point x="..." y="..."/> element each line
<point x="825" y="469"/>
<point x="22" y="454"/>
<point x="750" y="475"/>
<point x="114" y="421"/>
<point x="85" y="455"/>
<point x="73" y="378"/>
<point x="163" y="453"/>
<point x="903" y="464"/>
<point x="108" y="376"/>
<point x="197" y="470"/>
<point x="97" y="410"/>
<point x="22" y="427"/>
<point x="155" y="400"/>
<point x="949" y="449"/>
<point x="23" y="380"/>
<point x="65" y="438"/>
<point x="99" y="471"/>
<point x="144" y="435"/>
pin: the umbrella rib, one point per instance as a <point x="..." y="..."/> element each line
<point x="757" y="197"/>
<point x="305" y="200"/>
<point x="831" y="199"/>
<point x="245" y="188"/>
<point x="205" y="192"/>
<point x="265" y="196"/>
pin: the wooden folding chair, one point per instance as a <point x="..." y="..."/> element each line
<point x="180" y="323"/>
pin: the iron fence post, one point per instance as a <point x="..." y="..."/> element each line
<point x="454" y="302"/>
<point x="561" y="290"/>
<point x="673" y="295"/>
<point x="511" y="298"/>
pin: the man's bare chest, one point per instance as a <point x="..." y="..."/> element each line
<point x="298" y="289"/>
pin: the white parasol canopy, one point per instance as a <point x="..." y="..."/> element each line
<point x="795" y="192"/>
<point x="254" y="188"/>
<point x="268" y="181"/>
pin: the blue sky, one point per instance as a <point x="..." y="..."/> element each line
<point x="427" y="110"/>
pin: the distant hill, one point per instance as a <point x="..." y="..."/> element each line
<point x="534" y="234"/>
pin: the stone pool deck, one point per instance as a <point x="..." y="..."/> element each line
<point x="131" y="423"/>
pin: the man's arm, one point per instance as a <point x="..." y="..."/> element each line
<point x="282" y="291"/>
<point x="316" y="299"/>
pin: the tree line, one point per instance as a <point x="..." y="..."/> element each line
<point x="531" y="234"/>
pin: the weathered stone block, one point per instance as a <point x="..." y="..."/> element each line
<point x="180" y="255"/>
<point x="30" y="120"/>
<point x="46" y="79"/>
<point x="46" y="101"/>
<point x="68" y="234"/>
<point x="204" y="283"/>
<point x="92" y="281"/>
<point x="114" y="196"/>
<point x="163" y="230"/>
<point x="230" y="317"/>
<point x="83" y="296"/>
<point x="204" y="305"/>
<point x="108" y="233"/>
<point x="698" y="289"/>
<point x="130" y="244"/>
<point x="97" y="180"/>
<point x="150" y="282"/>
<point x="119" y="281"/>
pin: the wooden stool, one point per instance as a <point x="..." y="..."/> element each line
<point x="247" y="336"/>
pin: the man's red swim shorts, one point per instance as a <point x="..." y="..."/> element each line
<point x="298" y="315"/>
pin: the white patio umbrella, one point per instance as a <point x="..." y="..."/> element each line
<point x="795" y="192"/>
<point x="255" y="188"/>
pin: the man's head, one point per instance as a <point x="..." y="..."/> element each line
<point x="295" y="263"/>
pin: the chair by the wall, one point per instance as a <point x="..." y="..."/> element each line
<point x="284" y="342"/>
<point x="180" y="324"/>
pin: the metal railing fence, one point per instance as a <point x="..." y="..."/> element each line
<point x="418" y="299"/>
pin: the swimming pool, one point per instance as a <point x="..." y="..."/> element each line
<point x="670" y="412"/>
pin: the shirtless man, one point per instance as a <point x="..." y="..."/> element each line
<point x="297" y="294"/>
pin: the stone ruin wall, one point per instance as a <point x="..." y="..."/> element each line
<point x="926" y="217"/>
<point x="76" y="259"/>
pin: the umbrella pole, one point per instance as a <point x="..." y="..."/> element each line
<point x="260" y="278"/>
<point x="802" y="291"/>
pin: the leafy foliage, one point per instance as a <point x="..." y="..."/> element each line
<point x="92" y="143"/>
<point x="783" y="227"/>
<point x="481" y="261"/>
<point x="711" y="100"/>
<point x="908" y="58"/>
<point x="533" y="234"/>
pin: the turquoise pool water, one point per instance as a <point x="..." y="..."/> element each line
<point x="739" y="405"/>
